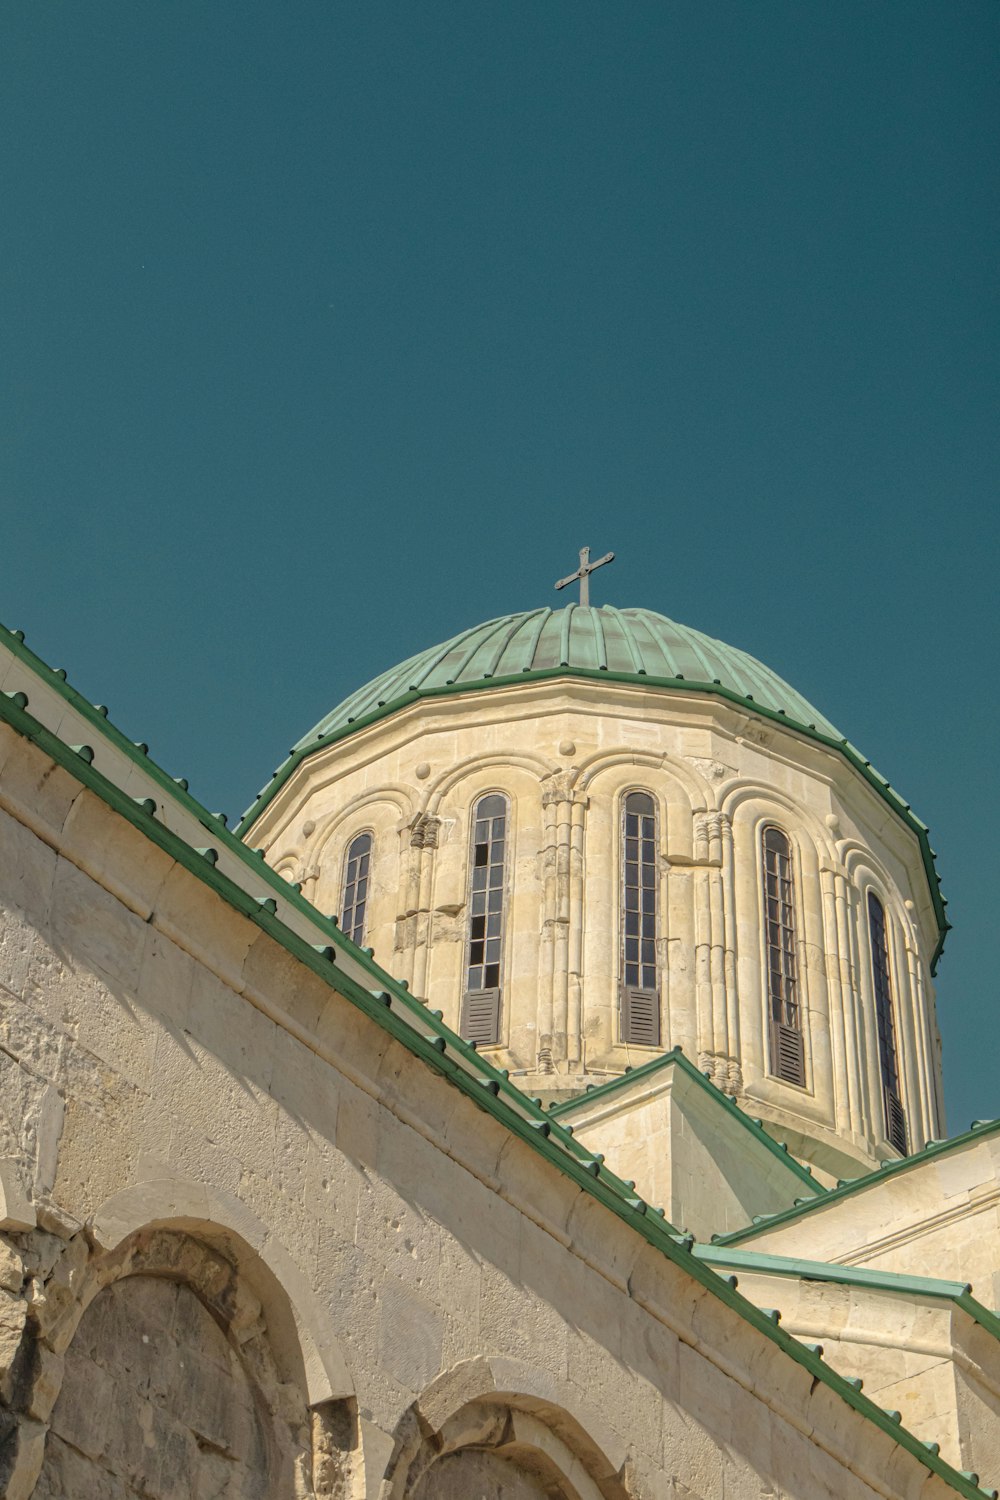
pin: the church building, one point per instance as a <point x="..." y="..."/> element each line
<point x="537" y="1094"/>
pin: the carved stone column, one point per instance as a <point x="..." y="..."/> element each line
<point x="423" y="841"/>
<point x="559" y="1020"/>
<point x="715" y="951"/>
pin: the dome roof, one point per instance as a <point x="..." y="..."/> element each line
<point x="627" y="644"/>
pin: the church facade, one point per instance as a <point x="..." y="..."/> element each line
<point x="538" y="1094"/>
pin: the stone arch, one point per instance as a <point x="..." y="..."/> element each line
<point x="148" y="1369"/>
<point x="381" y="811"/>
<point x="358" y="812"/>
<point x="682" y="790"/>
<point x="517" y="779"/>
<point x="302" y="1336"/>
<point x="869" y="875"/>
<point x="697" y="790"/>
<point x="510" y="1430"/>
<point x="752" y="807"/>
<point x="535" y="765"/>
<point x="804" y="823"/>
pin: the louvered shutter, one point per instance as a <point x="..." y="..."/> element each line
<point x="640" y="1017"/>
<point x="788" y="1054"/>
<point x="481" y="1017"/>
<point x="895" y="1122"/>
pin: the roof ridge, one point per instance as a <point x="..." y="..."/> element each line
<point x="677" y="1056"/>
<point x="848" y="1187"/>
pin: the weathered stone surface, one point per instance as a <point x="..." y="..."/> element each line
<point x="154" y="1403"/>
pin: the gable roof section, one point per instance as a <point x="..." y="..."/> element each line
<point x="634" y="1077"/>
<point x="958" y="1292"/>
<point x="848" y="1188"/>
<point x="236" y="876"/>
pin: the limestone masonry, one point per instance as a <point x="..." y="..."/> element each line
<point x="538" y="1095"/>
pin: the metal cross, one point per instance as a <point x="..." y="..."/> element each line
<point x="584" y="571"/>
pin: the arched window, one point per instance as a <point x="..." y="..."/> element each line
<point x="784" y="1011"/>
<point x="895" y="1120"/>
<point x="484" y="947"/>
<point x="639" y="988"/>
<point x="357" y="868"/>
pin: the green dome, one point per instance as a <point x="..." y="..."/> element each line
<point x="631" y="644"/>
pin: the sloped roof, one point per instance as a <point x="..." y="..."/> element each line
<point x="626" y="642"/>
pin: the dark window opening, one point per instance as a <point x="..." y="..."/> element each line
<point x="895" y="1120"/>
<point x="357" y="867"/>
<point x="639" y="991"/>
<point x="787" y="1054"/>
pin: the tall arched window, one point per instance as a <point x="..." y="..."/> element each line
<point x="639" y="988"/>
<point x="783" y="1008"/>
<point x="357" y="868"/>
<point x="484" y="947"/>
<point x="895" y="1120"/>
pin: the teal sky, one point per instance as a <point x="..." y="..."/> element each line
<point x="330" y="329"/>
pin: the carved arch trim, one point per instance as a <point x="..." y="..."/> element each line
<point x="508" y="1408"/>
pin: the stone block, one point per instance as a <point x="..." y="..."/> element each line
<point x="86" y="1405"/>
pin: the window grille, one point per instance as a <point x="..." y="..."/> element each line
<point x="783" y="1009"/>
<point x="895" y="1120"/>
<point x="484" y="957"/>
<point x="640" y="992"/>
<point x="357" y="870"/>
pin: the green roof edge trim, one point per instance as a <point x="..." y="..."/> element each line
<point x="604" y="1185"/>
<point x="959" y="1292"/>
<point x="853" y="757"/>
<point x="676" y="1056"/>
<point x="857" y="1184"/>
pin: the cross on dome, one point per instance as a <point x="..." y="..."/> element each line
<point x="584" y="571"/>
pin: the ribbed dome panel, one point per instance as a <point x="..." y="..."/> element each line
<point x="633" y="643"/>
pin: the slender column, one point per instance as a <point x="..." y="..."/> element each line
<point x="913" y="1056"/>
<point x="423" y="841"/>
<point x="703" y="940"/>
<point x="560" y="995"/>
<point x="865" y="1031"/>
<point x="576" y="885"/>
<point x="735" y="1080"/>
<point x="836" y="1000"/>
<point x="857" y="1092"/>
<point x="717" y="934"/>
<point x="546" y="956"/>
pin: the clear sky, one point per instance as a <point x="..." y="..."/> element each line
<point x="330" y="329"/>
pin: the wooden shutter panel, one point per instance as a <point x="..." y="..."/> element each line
<point x="481" y="1017"/>
<point x="788" y="1054"/>
<point x="895" y="1122"/>
<point x="640" y="1017"/>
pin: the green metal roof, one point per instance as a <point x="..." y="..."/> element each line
<point x="675" y="1058"/>
<point x="627" y="642"/>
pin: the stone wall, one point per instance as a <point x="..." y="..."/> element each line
<point x="379" y="1253"/>
<point x="155" y="1403"/>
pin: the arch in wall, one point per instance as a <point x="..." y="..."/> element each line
<point x="152" y="1359"/>
<point x="302" y="1336"/>
<point x="797" y="821"/>
<point x="752" y="807"/>
<point x="680" y="791"/>
<point x="516" y="761"/>
<point x="697" y="792"/>
<point x="503" y="1421"/>
<point x="915" y="1058"/>
<point x="361" y="810"/>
